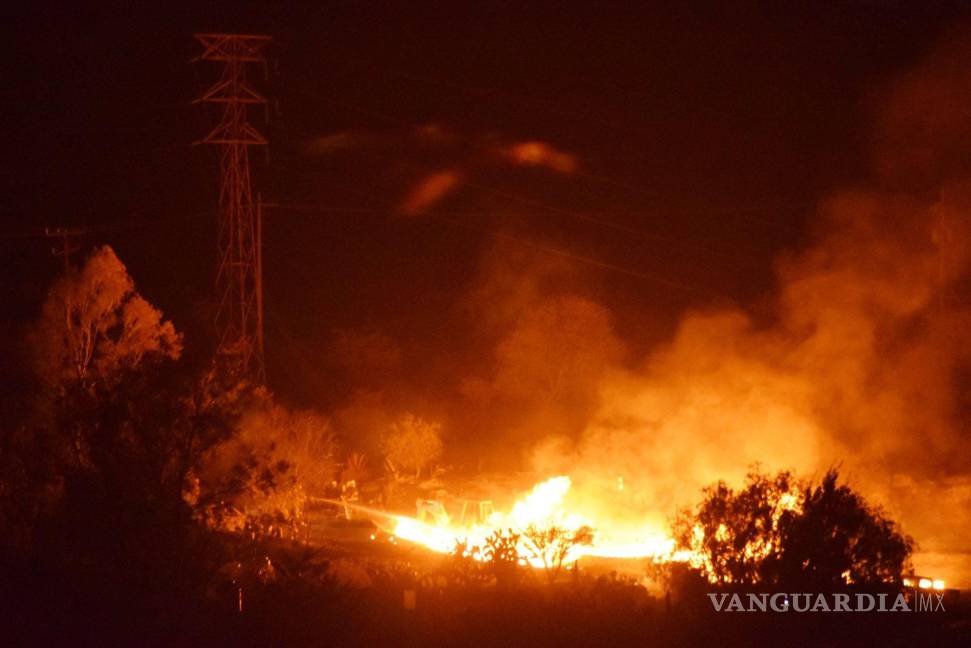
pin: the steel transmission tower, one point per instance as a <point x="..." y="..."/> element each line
<point x="239" y="318"/>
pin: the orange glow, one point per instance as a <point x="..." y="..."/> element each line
<point x="429" y="191"/>
<point x="535" y="153"/>
<point x="543" y="507"/>
<point x="925" y="583"/>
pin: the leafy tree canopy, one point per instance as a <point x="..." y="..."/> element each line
<point x="781" y="530"/>
<point x="94" y="325"/>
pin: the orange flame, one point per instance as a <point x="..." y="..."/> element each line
<point x="543" y="507"/>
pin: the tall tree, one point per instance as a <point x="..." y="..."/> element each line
<point x="116" y="428"/>
<point x="94" y="326"/>
<point x="781" y="531"/>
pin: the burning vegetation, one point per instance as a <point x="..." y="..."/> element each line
<point x="556" y="461"/>
<point x="242" y="463"/>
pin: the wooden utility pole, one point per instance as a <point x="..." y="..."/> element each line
<point x="66" y="243"/>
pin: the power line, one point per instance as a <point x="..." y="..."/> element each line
<point x="592" y="219"/>
<point x="560" y="211"/>
<point x="444" y="217"/>
<point x="553" y="106"/>
<point x="595" y="220"/>
<point x="670" y="283"/>
<point x="116" y="226"/>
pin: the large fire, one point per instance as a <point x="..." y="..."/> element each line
<point x="540" y="510"/>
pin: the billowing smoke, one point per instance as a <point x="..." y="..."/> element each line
<point x="861" y="359"/>
<point x="866" y="361"/>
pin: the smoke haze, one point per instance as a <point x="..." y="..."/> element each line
<point x="865" y="364"/>
<point x="860" y="357"/>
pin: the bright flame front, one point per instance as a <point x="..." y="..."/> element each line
<point x="541" y="509"/>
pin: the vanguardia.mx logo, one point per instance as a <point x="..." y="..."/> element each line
<point x="837" y="602"/>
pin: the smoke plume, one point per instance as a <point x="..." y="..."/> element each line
<point x="865" y="363"/>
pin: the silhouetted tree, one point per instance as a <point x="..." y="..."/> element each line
<point x="502" y="557"/>
<point x="552" y="544"/>
<point x="838" y="538"/>
<point x="780" y="530"/>
<point x="733" y="533"/>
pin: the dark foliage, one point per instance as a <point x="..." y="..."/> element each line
<point x="780" y="531"/>
<point x="839" y="538"/>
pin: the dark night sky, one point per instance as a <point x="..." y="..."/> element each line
<point x="710" y="130"/>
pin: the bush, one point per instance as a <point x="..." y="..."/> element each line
<point x="259" y="479"/>
<point x="779" y="530"/>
